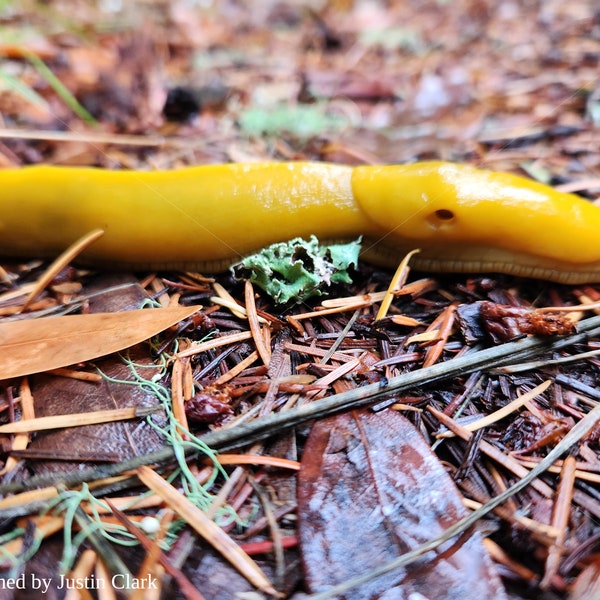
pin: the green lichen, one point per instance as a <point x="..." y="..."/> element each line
<point x="299" y="269"/>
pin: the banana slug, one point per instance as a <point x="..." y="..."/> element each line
<point x="206" y="217"/>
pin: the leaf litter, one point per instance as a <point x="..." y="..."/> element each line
<point x="455" y="87"/>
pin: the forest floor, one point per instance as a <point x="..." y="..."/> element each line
<point x="111" y="507"/>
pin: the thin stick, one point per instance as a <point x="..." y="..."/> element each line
<point x="60" y="263"/>
<point x="90" y="137"/>
<point x="224" y="340"/>
<point x="77" y="419"/>
<point x="501" y="413"/>
<point x="21" y="440"/>
<point x="262" y="348"/>
<point x="560" y="520"/>
<point x="398" y="280"/>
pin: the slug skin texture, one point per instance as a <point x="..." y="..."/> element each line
<point x="205" y="218"/>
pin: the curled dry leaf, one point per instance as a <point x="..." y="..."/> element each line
<point x="370" y="489"/>
<point x="211" y="405"/>
<point x="504" y="323"/>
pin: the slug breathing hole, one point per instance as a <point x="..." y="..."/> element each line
<point x="441" y="217"/>
<point x="443" y="214"/>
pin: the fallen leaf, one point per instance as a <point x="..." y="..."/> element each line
<point x="370" y="489"/>
<point x="117" y="440"/>
<point x="36" y="345"/>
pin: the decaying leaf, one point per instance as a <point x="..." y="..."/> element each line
<point x="370" y="489"/>
<point x="503" y="323"/>
<point x="36" y="345"/>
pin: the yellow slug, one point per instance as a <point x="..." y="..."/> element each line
<point x="206" y="217"/>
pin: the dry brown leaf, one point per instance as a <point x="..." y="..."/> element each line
<point x="36" y="345"/>
<point x="370" y="489"/>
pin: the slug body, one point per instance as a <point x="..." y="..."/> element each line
<point x="463" y="219"/>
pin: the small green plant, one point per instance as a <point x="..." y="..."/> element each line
<point x="56" y="84"/>
<point x="14" y="84"/>
<point x="301" y="121"/>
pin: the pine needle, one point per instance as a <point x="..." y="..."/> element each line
<point x="206" y="528"/>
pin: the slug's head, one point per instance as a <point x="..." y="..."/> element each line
<point x="465" y="219"/>
<point x="429" y="202"/>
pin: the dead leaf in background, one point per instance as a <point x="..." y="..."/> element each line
<point x="36" y="345"/>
